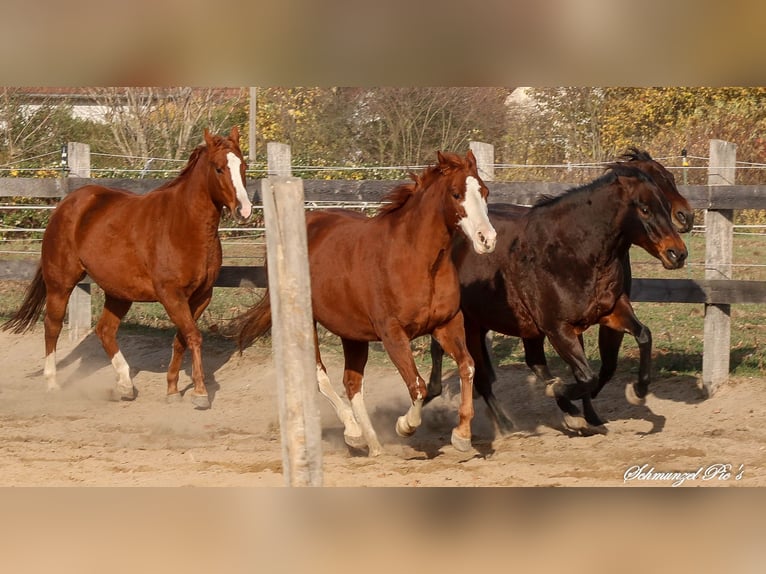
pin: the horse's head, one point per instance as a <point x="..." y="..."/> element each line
<point x="650" y="224"/>
<point x="466" y="197"/>
<point x="226" y="178"/>
<point x="680" y="210"/>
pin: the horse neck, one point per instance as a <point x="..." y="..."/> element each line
<point x="591" y="219"/>
<point x="422" y="219"/>
<point x="192" y="192"/>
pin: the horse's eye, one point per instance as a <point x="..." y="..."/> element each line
<point x="644" y="210"/>
<point x="219" y="169"/>
<point x="456" y="195"/>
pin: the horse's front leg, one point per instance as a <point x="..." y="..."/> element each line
<point x="106" y="330"/>
<point x="452" y="337"/>
<point x="355" y="358"/>
<point x="624" y="320"/>
<point x="397" y="345"/>
<point x="567" y="344"/>
<point x="184" y="315"/>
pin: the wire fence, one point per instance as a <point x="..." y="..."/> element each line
<point x="29" y="237"/>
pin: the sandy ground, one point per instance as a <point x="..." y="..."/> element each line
<point x="81" y="437"/>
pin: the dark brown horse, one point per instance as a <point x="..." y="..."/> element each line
<point x="162" y="246"/>
<point x="609" y="340"/>
<point x="390" y="278"/>
<point x="557" y="270"/>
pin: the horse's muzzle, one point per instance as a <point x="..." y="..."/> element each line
<point x="244" y="211"/>
<point x="485" y="241"/>
<point x="674" y="258"/>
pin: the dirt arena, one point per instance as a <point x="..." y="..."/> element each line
<point x="80" y="437"/>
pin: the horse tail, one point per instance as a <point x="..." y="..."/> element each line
<point x="29" y="312"/>
<point x="253" y="323"/>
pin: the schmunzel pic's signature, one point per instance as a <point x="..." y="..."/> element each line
<point x="718" y="471"/>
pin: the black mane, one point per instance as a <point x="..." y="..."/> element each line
<point x="636" y="154"/>
<point x="613" y="170"/>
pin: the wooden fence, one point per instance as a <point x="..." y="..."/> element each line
<point x="718" y="199"/>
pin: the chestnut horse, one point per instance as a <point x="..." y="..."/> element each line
<point x="390" y="278"/>
<point x="162" y="246"/>
<point x="558" y="269"/>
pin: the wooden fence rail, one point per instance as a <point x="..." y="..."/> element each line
<point x="372" y="191"/>
<point x="716" y="198"/>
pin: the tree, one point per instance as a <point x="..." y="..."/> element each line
<point x="33" y="131"/>
<point x="167" y="122"/>
<point x="407" y="126"/>
<point x="378" y="126"/>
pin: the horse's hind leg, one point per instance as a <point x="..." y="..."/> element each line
<point x="355" y="355"/>
<point x="57" y="296"/>
<point x="352" y="433"/>
<point x="609" y="342"/>
<point x="106" y="329"/>
<point x="55" y="309"/>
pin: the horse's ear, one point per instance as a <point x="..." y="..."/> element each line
<point x="627" y="184"/>
<point x="234" y="135"/>
<point x="208" y="138"/>
<point x="444" y="162"/>
<point x="471" y="159"/>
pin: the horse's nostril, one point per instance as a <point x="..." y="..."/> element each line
<point x="676" y="257"/>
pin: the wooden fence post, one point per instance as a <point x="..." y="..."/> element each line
<point x="292" y="330"/>
<point x="79" y="308"/>
<point x="485" y="158"/>
<point x="279" y="159"/>
<point x="252" y="127"/>
<point x="719" y="239"/>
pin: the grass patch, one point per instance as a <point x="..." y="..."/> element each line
<point x="677" y="328"/>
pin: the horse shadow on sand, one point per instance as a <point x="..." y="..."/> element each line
<point x="524" y="400"/>
<point x="145" y="349"/>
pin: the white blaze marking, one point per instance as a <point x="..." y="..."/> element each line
<point x="476" y="223"/>
<point x="236" y="178"/>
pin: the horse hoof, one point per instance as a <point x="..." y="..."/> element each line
<point x="200" y="401"/>
<point x="375" y="451"/>
<point x="575" y="423"/>
<point x="460" y="443"/>
<point x="173" y="398"/>
<point x="632" y="396"/>
<point x="403" y="428"/>
<point x="551" y="385"/>
<point x="504" y="427"/>
<point x="356" y="442"/>
<point x="594" y="430"/>
<point x="126" y="393"/>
